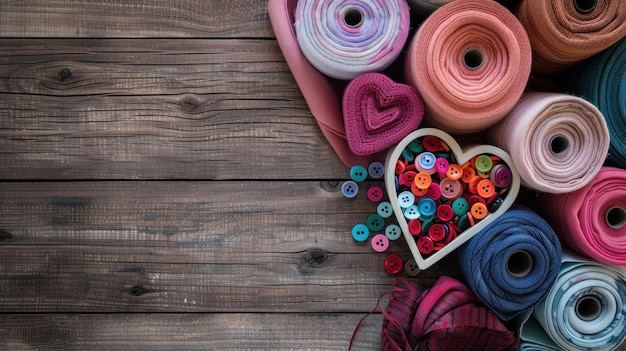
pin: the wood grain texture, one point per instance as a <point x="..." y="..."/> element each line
<point x="189" y="247"/>
<point x="134" y="19"/>
<point x="233" y="331"/>
<point x="156" y="109"/>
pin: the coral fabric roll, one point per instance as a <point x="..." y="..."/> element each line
<point x="586" y="307"/>
<point x="470" y="61"/>
<point x="564" y="33"/>
<point x="558" y="142"/>
<point x="346" y="38"/>
<point x="446" y="317"/>
<point x="592" y="220"/>
<point x="601" y="80"/>
<point x="511" y="264"/>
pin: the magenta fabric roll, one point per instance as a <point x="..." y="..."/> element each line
<point x="558" y="142"/>
<point x="592" y="220"/>
<point x="379" y="112"/>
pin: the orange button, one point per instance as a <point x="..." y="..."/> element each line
<point x="479" y="210"/>
<point x="417" y="191"/>
<point x="468" y="174"/>
<point x="422" y="180"/>
<point x="454" y="172"/>
<point x="485" y="188"/>
<point x="473" y="184"/>
<point x="400" y="167"/>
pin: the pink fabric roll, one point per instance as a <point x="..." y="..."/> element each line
<point x="592" y="220"/>
<point x="321" y="94"/>
<point x="470" y="61"/>
<point x="558" y="142"/>
<point x="379" y="112"/>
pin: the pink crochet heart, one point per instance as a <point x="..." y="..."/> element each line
<point x="378" y="112"/>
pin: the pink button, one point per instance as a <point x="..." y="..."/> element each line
<point x="441" y="166"/>
<point x="425" y="245"/>
<point x="501" y="175"/>
<point x="434" y="191"/>
<point x="375" y="193"/>
<point x="451" y="189"/>
<point x="380" y="242"/>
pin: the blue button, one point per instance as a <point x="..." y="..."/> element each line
<point x="349" y="189"/>
<point x="384" y="209"/>
<point x="426" y="161"/>
<point x="393" y="232"/>
<point x="412" y="212"/>
<point x="406" y="199"/>
<point x="375" y="223"/>
<point x="360" y="232"/>
<point x="358" y="173"/>
<point x="376" y="170"/>
<point x="427" y="207"/>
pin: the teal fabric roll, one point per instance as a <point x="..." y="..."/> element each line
<point x="601" y="80"/>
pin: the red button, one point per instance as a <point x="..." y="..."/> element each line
<point x="415" y="227"/>
<point x="408" y="177"/>
<point x="393" y="264"/>
<point x="431" y="143"/>
<point x="445" y="213"/>
<point x="425" y="245"/>
<point x="437" y="232"/>
<point x="434" y="191"/>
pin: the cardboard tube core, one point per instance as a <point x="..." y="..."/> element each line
<point x="519" y="264"/>
<point x="585" y="6"/>
<point x="588" y="308"/>
<point x="559" y="144"/>
<point x="353" y="17"/>
<point x="616" y="217"/>
<point x="473" y="58"/>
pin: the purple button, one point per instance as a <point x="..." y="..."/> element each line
<point x="501" y="175"/>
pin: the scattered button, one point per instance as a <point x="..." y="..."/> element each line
<point x="411" y="268"/>
<point x="425" y="245"/>
<point x="384" y="209"/>
<point x="375" y="193"/>
<point x="360" y="232"/>
<point x="380" y="242"/>
<point x="349" y="189"/>
<point x="393" y="232"/>
<point x="393" y="264"/>
<point x="375" y="222"/>
<point x="358" y="173"/>
<point x="376" y="170"/>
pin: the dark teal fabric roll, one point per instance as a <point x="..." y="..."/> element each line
<point x="601" y="80"/>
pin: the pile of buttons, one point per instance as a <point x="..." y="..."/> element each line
<point x="439" y="198"/>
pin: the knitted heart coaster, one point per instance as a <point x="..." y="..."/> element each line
<point x="379" y="112"/>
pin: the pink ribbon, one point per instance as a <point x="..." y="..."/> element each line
<point x="592" y="220"/>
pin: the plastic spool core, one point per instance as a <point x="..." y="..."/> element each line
<point x="585" y="6"/>
<point x="519" y="264"/>
<point x="616" y="217"/>
<point x="588" y="308"/>
<point x="473" y="58"/>
<point x="559" y="144"/>
<point x="353" y="17"/>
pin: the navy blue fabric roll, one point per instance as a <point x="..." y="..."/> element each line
<point x="512" y="263"/>
<point x="601" y="80"/>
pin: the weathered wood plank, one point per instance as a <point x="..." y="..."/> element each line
<point x="162" y="332"/>
<point x="188" y="247"/>
<point x="155" y="109"/>
<point x="134" y="19"/>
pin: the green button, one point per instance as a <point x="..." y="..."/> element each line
<point x="460" y="206"/>
<point x="358" y="173"/>
<point x="483" y="163"/>
<point x="375" y="222"/>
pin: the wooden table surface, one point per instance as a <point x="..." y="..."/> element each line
<point x="165" y="187"/>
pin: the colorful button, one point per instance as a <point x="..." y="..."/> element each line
<point x="411" y="268"/>
<point x="408" y="177"/>
<point x="427" y="207"/>
<point x="375" y="193"/>
<point x="406" y="199"/>
<point x="422" y="180"/>
<point x="380" y="242"/>
<point x="375" y="222"/>
<point x="445" y="213"/>
<point x="483" y="163"/>
<point x="479" y="210"/>
<point x="393" y="264"/>
<point x="472" y="199"/>
<point x="451" y="189"/>
<point x="358" y="173"/>
<point x="393" y="232"/>
<point x="437" y="232"/>
<point x="441" y="166"/>
<point x="460" y="206"/>
<point x="349" y="189"/>
<point x="408" y="155"/>
<point x="360" y="232"/>
<point x="417" y="191"/>
<point x="415" y="227"/>
<point x="376" y="170"/>
<point x="485" y="188"/>
<point x="425" y="245"/>
<point x="412" y="212"/>
<point x="468" y="174"/>
<point x="454" y="172"/>
<point x="501" y="176"/>
<point x="425" y="161"/>
<point x="400" y="167"/>
<point x="431" y="143"/>
<point x="384" y="209"/>
<point x="434" y="191"/>
<point x="416" y="146"/>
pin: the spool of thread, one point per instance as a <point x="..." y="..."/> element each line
<point x="563" y="33"/>
<point x="557" y="141"/>
<point x="511" y="263"/>
<point x="586" y="307"/>
<point x="346" y="38"/>
<point x="601" y="80"/>
<point x="470" y="61"/>
<point x="592" y="220"/>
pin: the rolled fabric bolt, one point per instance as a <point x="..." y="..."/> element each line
<point x="563" y="33"/>
<point x="592" y="220"/>
<point x="586" y="307"/>
<point x="511" y="263"/>
<point x="470" y="61"/>
<point x="558" y="142"/>
<point x="346" y="38"/>
<point x="601" y="80"/>
<point x="379" y="112"/>
<point x="446" y="317"/>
